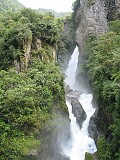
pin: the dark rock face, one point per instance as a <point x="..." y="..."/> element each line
<point x="112" y="9"/>
<point x="78" y="111"/>
<point x="93" y="123"/>
<point x="91" y="19"/>
<point x="70" y="93"/>
<point x="92" y="128"/>
<point x="69" y="44"/>
<point x="77" y="108"/>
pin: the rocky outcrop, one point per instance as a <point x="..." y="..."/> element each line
<point x="78" y="111"/>
<point x="27" y="49"/>
<point x="92" y="128"/>
<point x="77" y="108"/>
<point x="91" y="19"/>
<point x="68" y="43"/>
<point x="37" y="43"/>
<point x="112" y="9"/>
<point x="35" y="47"/>
<point x="54" y="53"/>
<point x="17" y="64"/>
<point x="72" y="93"/>
<point x="21" y="62"/>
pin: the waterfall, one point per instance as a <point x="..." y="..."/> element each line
<point x="80" y="140"/>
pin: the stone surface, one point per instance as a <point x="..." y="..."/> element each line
<point x="69" y="45"/>
<point x="92" y="18"/>
<point x="37" y="43"/>
<point x="72" y="93"/>
<point x="78" y="111"/>
<point x="92" y="128"/>
<point x="112" y="9"/>
<point x="27" y="49"/>
<point x="92" y="21"/>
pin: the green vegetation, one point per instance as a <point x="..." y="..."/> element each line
<point x="27" y="102"/>
<point x="56" y="14"/>
<point x="75" y="5"/>
<point x="75" y="21"/>
<point x="88" y="156"/>
<point x="10" y="5"/>
<point x="103" y="67"/>
<point x="31" y="85"/>
<point x="20" y="33"/>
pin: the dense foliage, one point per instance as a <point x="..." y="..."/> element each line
<point x="75" y="21"/>
<point x="27" y="99"/>
<point x="21" y="29"/>
<point x="103" y="67"/>
<point x="26" y="104"/>
<point x="11" y="5"/>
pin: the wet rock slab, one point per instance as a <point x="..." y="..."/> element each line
<point x="72" y="96"/>
<point x="78" y="111"/>
<point x="92" y="128"/>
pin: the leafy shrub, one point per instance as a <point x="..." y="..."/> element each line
<point x="103" y="65"/>
<point x="115" y="26"/>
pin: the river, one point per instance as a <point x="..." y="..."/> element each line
<point x="80" y="140"/>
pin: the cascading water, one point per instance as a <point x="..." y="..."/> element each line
<point x="80" y="140"/>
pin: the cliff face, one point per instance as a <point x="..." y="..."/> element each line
<point x="30" y="46"/>
<point x="92" y="17"/>
<point x="92" y="21"/>
<point x="68" y="43"/>
<point x="112" y="9"/>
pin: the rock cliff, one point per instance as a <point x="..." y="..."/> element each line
<point x="91" y="19"/>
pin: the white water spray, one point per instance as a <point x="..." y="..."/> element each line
<point x="71" y="70"/>
<point x="81" y="142"/>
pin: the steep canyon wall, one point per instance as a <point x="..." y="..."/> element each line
<point x="92" y="17"/>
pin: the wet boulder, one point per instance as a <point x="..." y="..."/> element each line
<point x="72" y="93"/>
<point x="92" y="128"/>
<point x="78" y="111"/>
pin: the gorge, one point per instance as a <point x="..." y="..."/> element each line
<point x="60" y="82"/>
<point x="80" y="140"/>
